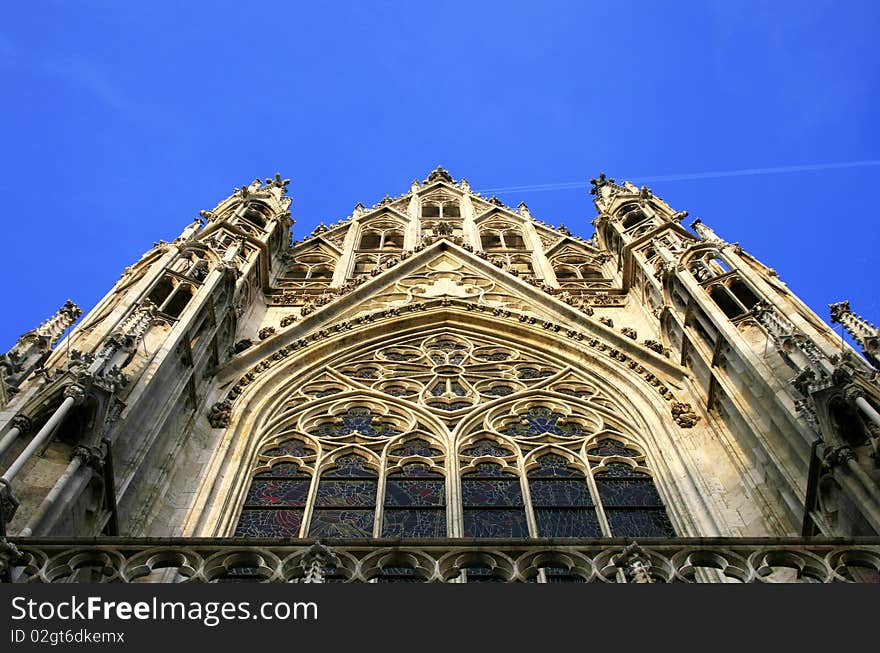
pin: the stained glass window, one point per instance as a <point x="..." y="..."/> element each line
<point x="561" y="500"/>
<point x="493" y="503"/>
<point x="415" y="503"/>
<point x="345" y="501"/>
<point x="539" y="420"/>
<point x="357" y="419"/>
<point x="486" y="447"/>
<point x="499" y="391"/>
<point x="610" y="447"/>
<point x="275" y="503"/>
<point x="482" y="574"/>
<point x="632" y="504"/>
<point x="416" y="447"/>
<point x="290" y="448"/>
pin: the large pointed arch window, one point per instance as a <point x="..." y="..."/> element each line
<point x="491" y="494"/>
<point x="345" y="502"/>
<point x="278" y="494"/>
<point x="415" y="493"/>
<point x="630" y="500"/>
<point x="561" y="499"/>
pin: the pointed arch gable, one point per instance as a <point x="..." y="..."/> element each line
<point x="270" y="393"/>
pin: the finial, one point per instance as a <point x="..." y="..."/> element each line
<point x="439" y="174"/>
<point x="278" y="182"/>
<point x="599" y="182"/>
<point x="838" y="309"/>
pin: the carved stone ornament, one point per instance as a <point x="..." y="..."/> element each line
<point x="221" y="414"/>
<point x="316" y="562"/>
<point x="684" y="415"/>
<point x="265" y="332"/>
<point x="241" y="345"/>
<point x="655" y="346"/>
<point x="22" y="423"/>
<point x="634" y="563"/>
<point x="287" y="320"/>
<point x="8" y="502"/>
<point x="629" y="332"/>
<point x="10" y="556"/>
<point x="76" y="392"/>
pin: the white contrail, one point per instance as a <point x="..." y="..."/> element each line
<point x="693" y="175"/>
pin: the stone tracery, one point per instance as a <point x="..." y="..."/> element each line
<point x="370" y="443"/>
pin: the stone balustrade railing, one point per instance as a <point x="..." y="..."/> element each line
<point x="200" y="560"/>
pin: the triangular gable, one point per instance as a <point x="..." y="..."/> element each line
<point x="450" y="275"/>
<point x="315" y="245"/>
<point x="570" y="246"/>
<point x="382" y="212"/>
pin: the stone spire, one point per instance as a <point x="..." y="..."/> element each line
<point x="862" y="331"/>
<point x="34" y="346"/>
<point x="52" y="328"/>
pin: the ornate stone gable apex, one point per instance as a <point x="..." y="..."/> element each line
<point x="321" y="244"/>
<point x="567" y="245"/>
<point x="446" y="273"/>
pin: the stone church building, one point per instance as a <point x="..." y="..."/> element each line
<point x="442" y="388"/>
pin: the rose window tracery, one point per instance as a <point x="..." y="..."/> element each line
<point x="366" y="449"/>
<point x="449" y="373"/>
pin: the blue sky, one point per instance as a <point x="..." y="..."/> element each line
<point x="122" y="120"/>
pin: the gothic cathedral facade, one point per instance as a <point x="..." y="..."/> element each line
<point x="442" y="388"/>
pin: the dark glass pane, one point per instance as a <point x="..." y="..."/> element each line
<point x="277" y="493"/>
<point x="499" y="391"/>
<point x="416" y="448"/>
<point x="414" y="523"/>
<point x="532" y="373"/>
<point x="639" y="523"/>
<point x="490" y="492"/>
<point x="360" y="420"/>
<point x="415" y="493"/>
<point x="458" y="389"/>
<point x="455" y="405"/>
<point x="350" y="466"/>
<point x="638" y="492"/>
<point x="620" y="469"/>
<point x="560" y="493"/>
<point x="491" y="469"/>
<point x="283" y="469"/>
<point x="482" y="575"/>
<point x="562" y="575"/>
<point x="566" y="522"/>
<point x="269" y="523"/>
<point x="290" y="448"/>
<point x="398" y="356"/>
<point x="609" y="447"/>
<point x="439" y="388"/>
<point x="540" y="420"/>
<point x="341" y="523"/>
<point x="399" y="575"/>
<point x="346" y="493"/>
<point x="495" y="523"/>
<point x="398" y="391"/>
<point x="446" y="345"/>
<point x="554" y="465"/>
<point x="240" y="575"/>
<point x="417" y="470"/>
<point x="486" y="447"/>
